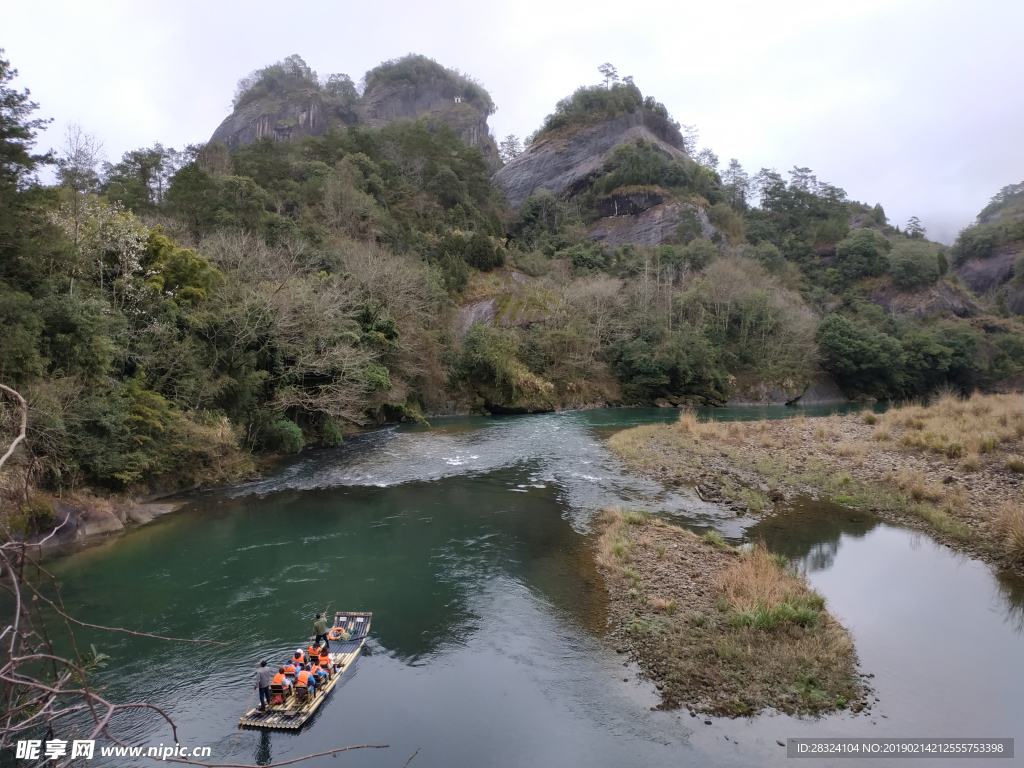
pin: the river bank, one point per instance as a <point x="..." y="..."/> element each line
<point x="953" y="468"/>
<point x="719" y="631"/>
<point x="78" y="521"/>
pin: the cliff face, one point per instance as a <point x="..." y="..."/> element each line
<point x="652" y="226"/>
<point x="298" y="115"/>
<point x="437" y="100"/>
<point x="304" y="114"/>
<point x="565" y="164"/>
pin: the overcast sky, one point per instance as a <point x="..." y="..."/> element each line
<point x="916" y="105"/>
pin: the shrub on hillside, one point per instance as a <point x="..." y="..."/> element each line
<point x="913" y="264"/>
<point x="699" y="253"/>
<point x="483" y="254"/>
<point x="862" y="254"/>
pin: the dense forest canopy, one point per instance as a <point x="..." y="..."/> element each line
<point x="172" y="314"/>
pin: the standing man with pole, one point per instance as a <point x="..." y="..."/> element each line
<point x="264" y="675"/>
<point x="320" y="629"/>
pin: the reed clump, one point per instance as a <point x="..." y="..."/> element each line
<point x="955" y="426"/>
<point x="1010" y="527"/>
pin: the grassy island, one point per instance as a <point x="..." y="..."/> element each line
<point x="721" y="631"/>
<point x="953" y="468"/>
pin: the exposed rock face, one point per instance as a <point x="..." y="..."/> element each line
<point x="1015" y="301"/>
<point x="504" y="298"/>
<point x="304" y="114"/>
<point x="624" y="205"/>
<point x="282" y="119"/>
<point x="821" y="390"/>
<point x="565" y="164"/>
<point x="651" y="227"/>
<point x="985" y="275"/>
<point x="440" y="101"/>
<point x="941" y="298"/>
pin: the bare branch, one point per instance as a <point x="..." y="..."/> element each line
<point x="24" y="422"/>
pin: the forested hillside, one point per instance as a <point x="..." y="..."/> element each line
<point x="174" y="313"/>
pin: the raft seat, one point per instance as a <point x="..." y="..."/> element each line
<point x="278" y="690"/>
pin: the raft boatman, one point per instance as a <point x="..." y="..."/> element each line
<point x="320" y="629"/>
<point x="264" y="675"/>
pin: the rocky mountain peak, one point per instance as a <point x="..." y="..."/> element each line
<point x="288" y="101"/>
<point x="564" y="162"/>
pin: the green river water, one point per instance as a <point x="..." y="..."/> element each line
<point x="471" y="544"/>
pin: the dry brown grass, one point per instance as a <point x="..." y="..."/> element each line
<point x="706" y="431"/>
<point x="757" y="579"/>
<point x="956" y="501"/>
<point x="955" y="426"/>
<point x="1010" y="527"/>
<point x="1015" y="463"/>
<point x="970" y="463"/>
<point x="912" y="482"/>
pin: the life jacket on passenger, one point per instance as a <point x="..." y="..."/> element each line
<point x="299" y="658"/>
<point x="278" y="679"/>
<point x="314" y="651"/>
<point x="325" y="661"/>
<point x="289" y="669"/>
<point x="304" y="677"/>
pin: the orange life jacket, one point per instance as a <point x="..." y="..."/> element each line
<point x="304" y="676"/>
<point x="325" y="661"/>
<point x="278" y="679"/>
<point x="289" y="669"/>
<point x="313" y="652"/>
<point x="299" y="658"/>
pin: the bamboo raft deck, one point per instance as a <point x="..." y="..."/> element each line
<point x="291" y="716"/>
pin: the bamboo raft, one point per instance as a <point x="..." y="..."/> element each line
<point x="292" y="714"/>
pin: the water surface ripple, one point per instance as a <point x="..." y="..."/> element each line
<point x="470" y="542"/>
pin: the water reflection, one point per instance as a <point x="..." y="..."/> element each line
<point x="1009" y="598"/>
<point x="810" y="530"/>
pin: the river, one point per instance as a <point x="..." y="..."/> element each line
<point x="470" y="542"/>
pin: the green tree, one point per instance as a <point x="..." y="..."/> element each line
<point x="609" y="73"/>
<point x="510" y="148"/>
<point x="862" y="254"/>
<point x="913" y="264"/>
<point x="862" y="360"/>
<point x="914" y="228"/>
<point x="17" y="132"/>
